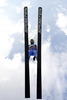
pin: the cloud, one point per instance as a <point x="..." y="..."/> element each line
<point x="7" y="28"/>
<point x="3" y="3"/>
<point x="62" y="22"/>
<point x="18" y="9"/>
<point x="53" y="73"/>
<point x="32" y="33"/>
<point x="26" y="3"/>
<point x="12" y="78"/>
<point x="1" y="10"/>
<point x="48" y="28"/>
<point x="23" y="4"/>
<point x="61" y="9"/>
<point x="11" y="71"/>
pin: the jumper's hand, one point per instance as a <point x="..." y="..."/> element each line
<point x="29" y="48"/>
<point x="33" y="47"/>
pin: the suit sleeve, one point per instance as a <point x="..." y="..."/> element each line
<point x="35" y="46"/>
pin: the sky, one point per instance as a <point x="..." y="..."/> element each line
<point x="54" y="49"/>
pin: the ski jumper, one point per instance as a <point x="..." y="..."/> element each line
<point x="33" y="50"/>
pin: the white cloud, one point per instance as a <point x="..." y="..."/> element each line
<point x="48" y="28"/>
<point x="3" y="3"/>
<point x="62" y="22"/>
<point x="12" y="78"/>
<point x="53" y="72"/>
<point x="23" y="4"/>
<point x="32" y="33"/>
<point x="18" y="9"/>
<point x="7" y="28"/>
<point x="11" y="71"/>
<point x="61" y="9"/>
<point x="18" y="27"/>
<point x="1" y="10"/>
<point x="26" y="3"/>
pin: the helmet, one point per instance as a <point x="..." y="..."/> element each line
<point x="32" y="41"/>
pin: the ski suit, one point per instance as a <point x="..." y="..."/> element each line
<point x="33" y="50"/>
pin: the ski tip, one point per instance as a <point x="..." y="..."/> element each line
<point x="25" y="7"/>
<point x="40" y="8"/>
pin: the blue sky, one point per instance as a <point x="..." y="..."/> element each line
<point x="54" y="49"/>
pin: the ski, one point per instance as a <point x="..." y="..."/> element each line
<point x="27" y="80"/>
<point x="39" y="85"/>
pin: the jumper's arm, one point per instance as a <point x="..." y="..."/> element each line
<point x="33" y="47"/>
